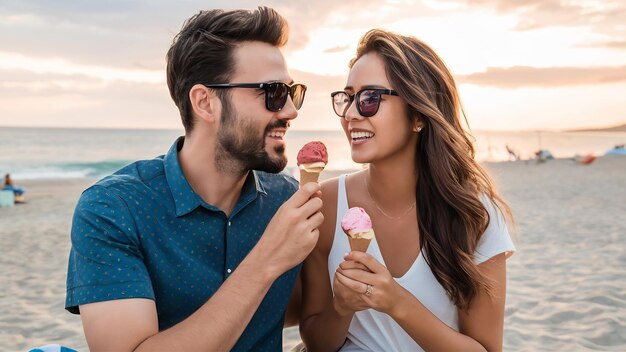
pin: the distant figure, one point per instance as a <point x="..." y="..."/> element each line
<point x="585" y="159"/>
<point x="512" y="154"/>
<point x="543" y="155"/>
<point x="8" y="184"/>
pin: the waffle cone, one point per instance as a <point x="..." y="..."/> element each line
<point x="307" y="176"/>
<point x="359" y="244"/>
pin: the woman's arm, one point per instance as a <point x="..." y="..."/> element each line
<point x="322" y="327"/>
<point x="481" y="327"/>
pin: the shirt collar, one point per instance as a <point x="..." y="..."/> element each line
<point x="186" y="200"/>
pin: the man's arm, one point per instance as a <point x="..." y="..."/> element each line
<point x="132" y="324"/>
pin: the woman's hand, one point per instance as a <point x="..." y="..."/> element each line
<point x="362" y="282"/>
<point x="345" y="300"/>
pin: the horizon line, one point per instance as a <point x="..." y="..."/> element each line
<point x="113" y="128"/>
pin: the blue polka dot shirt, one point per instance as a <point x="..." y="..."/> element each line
<point x="143" y="233"/>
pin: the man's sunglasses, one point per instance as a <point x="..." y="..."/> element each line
<point x="275" y="93"/>
<point x="367" y="101"/>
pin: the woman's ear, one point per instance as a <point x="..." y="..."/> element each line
<point x="204" y="103"/>
<point x="417" y="125"/>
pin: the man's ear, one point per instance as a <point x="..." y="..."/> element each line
<point x="204" y="103"/>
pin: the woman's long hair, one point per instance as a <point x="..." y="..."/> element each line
<point x="450" y="183"/>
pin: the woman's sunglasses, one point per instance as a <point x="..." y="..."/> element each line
<point x="367" y="101"/>
<point x="275" y="93"/>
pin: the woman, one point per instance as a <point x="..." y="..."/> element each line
<point x="434" y="277"/>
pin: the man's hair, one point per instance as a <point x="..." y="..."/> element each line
<point x="202" y="52"/>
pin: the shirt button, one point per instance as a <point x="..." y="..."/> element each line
<point x="228" y="271"/>
<point x="229" y="223"/>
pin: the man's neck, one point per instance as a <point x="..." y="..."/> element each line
<point x="218" y="186"/>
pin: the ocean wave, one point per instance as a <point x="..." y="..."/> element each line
<point x="69" y="170"/>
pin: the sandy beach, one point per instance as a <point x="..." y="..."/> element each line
<point x="566" y="283"/>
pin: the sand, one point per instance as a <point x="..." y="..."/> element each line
<point x="34" y="248"/>
<point x="566" y="283"/>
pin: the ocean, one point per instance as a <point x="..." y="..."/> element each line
<point x="61" y="153"/>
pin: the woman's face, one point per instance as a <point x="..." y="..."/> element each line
<point x="386" y="133"/>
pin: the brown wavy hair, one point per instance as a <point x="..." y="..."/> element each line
<point x="451" y="216"/>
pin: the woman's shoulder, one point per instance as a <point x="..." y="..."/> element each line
<point x="329" y="187"/>
<point x="496" y="238"/>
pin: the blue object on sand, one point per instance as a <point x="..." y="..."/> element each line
<point x="618" y="150"/>
<point x="52" y="348"/>
<point x="7" y="198"/>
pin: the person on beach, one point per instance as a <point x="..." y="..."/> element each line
<point x="512" y="153"/>
<point x="199" y="249"/>
<point x="434" y="276"/>
<point x="9" y="185"/>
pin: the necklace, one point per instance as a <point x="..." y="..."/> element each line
<point x="367" y="187"/>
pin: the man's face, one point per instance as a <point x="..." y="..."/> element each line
<point x="248" y="132"/>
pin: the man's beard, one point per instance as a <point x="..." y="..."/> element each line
<point x="239" y="147"/>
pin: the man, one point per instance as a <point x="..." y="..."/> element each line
<point x="199" y="249"/>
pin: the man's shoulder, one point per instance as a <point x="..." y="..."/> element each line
<point x="278" y="182"/>
<point x="134" y="177"/>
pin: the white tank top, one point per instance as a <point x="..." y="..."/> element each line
<point x="371" y="330"/>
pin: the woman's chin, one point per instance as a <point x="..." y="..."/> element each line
<point x="359" y="158"/>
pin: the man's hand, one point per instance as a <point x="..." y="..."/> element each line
<point x="292" y="233"/>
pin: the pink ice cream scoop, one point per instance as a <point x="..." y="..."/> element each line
<point x="358" y="227"/>
<point x="356" y="220"/>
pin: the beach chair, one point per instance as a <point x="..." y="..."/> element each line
<point x="7" y="198"/>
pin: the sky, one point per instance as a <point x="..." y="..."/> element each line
<point x="519" y="65"/>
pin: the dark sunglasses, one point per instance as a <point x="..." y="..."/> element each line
<point x="368" y="101"/>
<point x="275" y="93"/>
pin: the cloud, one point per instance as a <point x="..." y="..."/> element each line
<point x="13" y="61"/>
<point x="77" y="100"/>
<point x="524" y="76"/>
<point x="138" y="33"/>
<point x="615" y="44"/>
<point x="73" y="101"/>
<point x="606" y="17"/>
<point x="317" y="111"/>
<point x="337" y="49"/>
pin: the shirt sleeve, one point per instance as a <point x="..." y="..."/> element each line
<point x="496" y="238"/>
<point x="105" y="261"/>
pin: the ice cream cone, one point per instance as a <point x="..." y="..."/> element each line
<point x="359" y="244"/>
<point x="308" y="176"/>
<point x="312" y="159"/>
<point x="357" y="225"/>
<point x="360" y="241"/>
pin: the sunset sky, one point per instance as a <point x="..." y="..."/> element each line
<point x="520" y="65"/>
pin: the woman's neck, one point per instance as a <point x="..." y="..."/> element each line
<point x="391" y="183"/>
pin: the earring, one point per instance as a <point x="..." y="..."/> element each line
<point x="417" y="129"/>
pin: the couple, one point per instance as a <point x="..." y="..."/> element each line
<point x="200" y="249"/>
